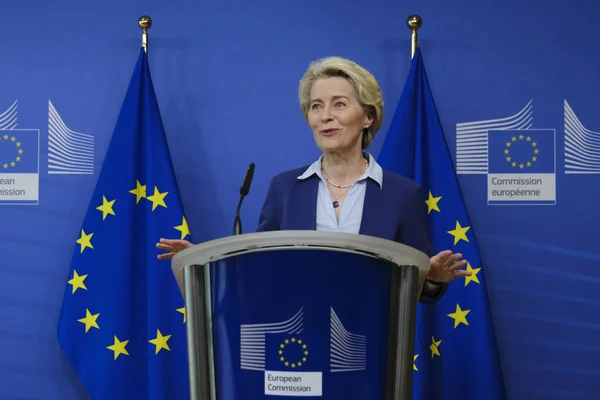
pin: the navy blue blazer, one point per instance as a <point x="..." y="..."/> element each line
<point x="394" y="212"/>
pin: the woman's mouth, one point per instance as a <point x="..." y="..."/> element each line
<point x="329" y="132"/>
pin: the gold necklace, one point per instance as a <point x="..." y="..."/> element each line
<point x="336" y="203"/>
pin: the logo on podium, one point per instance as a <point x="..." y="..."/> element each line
<point x="293" y="359"/>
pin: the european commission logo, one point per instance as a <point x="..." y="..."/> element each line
<point x="293" y="360"/>
<point x="69" y="152"/>
<point x="520" y="162"/>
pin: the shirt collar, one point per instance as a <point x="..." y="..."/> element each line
<point x="374" y="171"/>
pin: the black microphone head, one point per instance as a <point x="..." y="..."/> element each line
<point x="247" y="180"/>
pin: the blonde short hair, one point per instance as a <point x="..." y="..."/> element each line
<point x="365" y="84"/>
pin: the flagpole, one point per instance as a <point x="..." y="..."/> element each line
<point x="414" y="22"/>
<point x="145" y="22"/>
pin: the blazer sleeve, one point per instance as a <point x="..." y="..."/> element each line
<point x="268" y="219"/>
<point x="415" y="233"/>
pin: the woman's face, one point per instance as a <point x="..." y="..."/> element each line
<point x="336" y="116"/>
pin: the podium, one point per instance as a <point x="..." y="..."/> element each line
<point x="287" y="314"/>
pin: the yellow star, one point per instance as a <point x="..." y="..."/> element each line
<point x="432" y="203"/>
<point x="473" y="277"/>
<point x="536" y="151"/>
<point x="12" y="139"/>
<point x="293" y="339"/>
<point x="281" y="358"/>
<point x="507" y="144"/>
<point x="521" y="166"/>
<point x="12" y="164"/>
<point x="304" y="359"/>
<point x="415" y="359"/>
<point x="534" y="158"/>
<point x="157" y="199"/>
<point x="435" y="347"/>
<point x="287" y="363"/>
<point x="521" y="137"/>
<point x="85" y="241"/>
<point x="506" y="151"/>
<point x="18" y="158"/>
<point x="18" y="144"/>
<point x="106" y="207"/>
<point x="459" y="316"/>
<point x="514" y="139"/>
<point x="182" y="310"/>
<point x="77" y="281"/>
<point x="533" y="144"/>
<point x="119" y="347"/>
<point x="286" y="341"/>
<point x="160" y="341"/>
<point x="299" y="363"/>
<point x="183" y="228"/>
<point x="89" y="320"/>
<point x="508" y="158"/>
<point x="5" y="165"/>
<point x="459" y="233"/>
<point x="20" y="151"/>
<point x="529" y="138"/>
<point x="139" y="191"/>
<point x="293" y="365"/>
<point x="5" y="137"/>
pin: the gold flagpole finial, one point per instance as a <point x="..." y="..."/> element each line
<point x="414" y="22"/>
<point x="145" y="22"/>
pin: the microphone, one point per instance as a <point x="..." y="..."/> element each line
<point x="237" y="224"/>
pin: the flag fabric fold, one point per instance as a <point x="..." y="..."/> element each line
<point x="122" y="321"/>
<point x="456" y="355"/>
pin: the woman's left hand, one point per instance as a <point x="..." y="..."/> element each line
<point x="444" y="266"/>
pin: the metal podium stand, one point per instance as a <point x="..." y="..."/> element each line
<point x="226" y="282"/>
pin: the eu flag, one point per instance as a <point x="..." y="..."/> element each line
<point x="122" y="322"/>
<point x="455" y="349"/>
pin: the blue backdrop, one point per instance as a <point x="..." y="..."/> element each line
<point x="226" y="76"/>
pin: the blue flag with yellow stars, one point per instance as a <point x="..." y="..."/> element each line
<point x="122" y="322"/>
<point x="455" y="346"/>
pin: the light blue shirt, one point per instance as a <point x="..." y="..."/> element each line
<point x="352" y="209"/>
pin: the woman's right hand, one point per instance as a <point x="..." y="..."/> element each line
<point x="172" y="246"/>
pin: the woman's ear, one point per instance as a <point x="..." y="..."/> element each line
<point x="369" y="121"/>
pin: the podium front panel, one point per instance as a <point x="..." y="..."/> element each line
<point x="300" y="323"/>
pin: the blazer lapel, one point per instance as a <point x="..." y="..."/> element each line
<point x="303" y="210"/>
<point x="373" y="210"/>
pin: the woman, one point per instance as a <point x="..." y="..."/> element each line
<point x="345" y="190"/>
